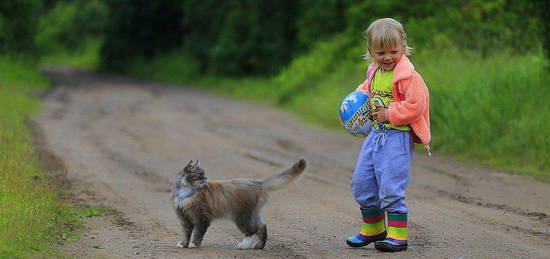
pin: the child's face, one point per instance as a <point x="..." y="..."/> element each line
<point x="386" y="57"/>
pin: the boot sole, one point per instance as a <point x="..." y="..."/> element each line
<point x="356" y="244"/>
<point x="385" y="247"/>
<point x="364" y="244"/>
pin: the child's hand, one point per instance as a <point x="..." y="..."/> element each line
<point x="380" y="115"/>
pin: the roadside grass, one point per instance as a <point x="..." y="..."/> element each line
<point x="491" y="110"/>
<point x="33" y="217"/>
<point x="86" y="57"/>
<point x="94" y="211"/>
<point x="494" y="111"/>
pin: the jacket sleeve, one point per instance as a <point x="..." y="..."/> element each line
<point x="363" y="86"/>
<point x="370" y="72"/>
<point x="412" y="107"/>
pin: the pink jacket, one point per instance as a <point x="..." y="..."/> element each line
<point x="411" y="100"/>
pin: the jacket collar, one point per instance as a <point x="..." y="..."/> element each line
<point x="403" y="69"/>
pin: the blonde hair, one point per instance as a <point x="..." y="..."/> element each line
<point x="384" y="33"/>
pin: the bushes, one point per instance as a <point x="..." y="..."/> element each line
<point x="227" y="37"/>
<point x="18" y="19"/>
<point x="140" y="29"/>
<point x="68" y="26"/>
<point x="33" y="28"/>
<point x="493" y="109"/>
<point x="244" y="37"/>
<point x="260" y="37"/>
<point x="256" y="37"/>
<point x="486" y="27"/>
<point x="319" y="20"/>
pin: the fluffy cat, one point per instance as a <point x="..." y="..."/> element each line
<point x="197" y="202"/>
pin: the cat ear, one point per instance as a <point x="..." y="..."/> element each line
<point x="198" y="162"/>
<point x="190" y="163"/>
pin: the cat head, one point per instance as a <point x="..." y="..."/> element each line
<point x="191" y="175"/>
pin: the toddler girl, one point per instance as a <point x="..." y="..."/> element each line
<point x="399" y="103"/>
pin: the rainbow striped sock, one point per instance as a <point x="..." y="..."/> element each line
<point x="373" y="228"/>
<point x="397" y="228"/>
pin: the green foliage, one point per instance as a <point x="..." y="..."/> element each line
<point x="200" y="35"/>
<point x="229" y="37"/>
<point x="236" y="37"/>
<point x="32" y="218"/>
<point x="85" y="56"/>
<point x="18" y="19"/>
<point x="543" y="12"/>
<point x="241" y="37"/>
<point x="494" y="110"/>
<point x="69" y="26"/>
<point x="140" y="29"/>
<point x="258" y="45"/>
<point x="307" y="71"/>
<point x="483" y="26"/>
<point x="260" y="37"/>
<point x="172" y="67"/>
<point x="321" y="19"/>
<point x="94" y="211"/>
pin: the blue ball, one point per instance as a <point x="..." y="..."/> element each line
<point x="354" y="112"/>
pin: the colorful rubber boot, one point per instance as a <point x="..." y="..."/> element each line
<point x="397" y="234"/>
<point x="373" y="228"/>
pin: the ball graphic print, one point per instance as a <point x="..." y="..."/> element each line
<point x="354" y="112"/>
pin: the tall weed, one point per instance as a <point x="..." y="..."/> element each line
<point x="492" y="110"/>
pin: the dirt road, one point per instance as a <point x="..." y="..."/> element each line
<point x="122" y="141"/>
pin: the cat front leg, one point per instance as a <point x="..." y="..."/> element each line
<point x="200" y="229"/>
<point x="186" y="229"/>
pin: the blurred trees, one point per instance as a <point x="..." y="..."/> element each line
<point x="483" y="26"/>
<point x="229" y="37"/>
<point x="259" y="37"/>
<point x="140" y="28"/>
<point x="543" y="8"/>
<point x="68" y="25"/>
<point x="241" y="36"/>
<point x="33" y="27"/>
<point x="238" y="37"/>
<point x="18" y="19"/>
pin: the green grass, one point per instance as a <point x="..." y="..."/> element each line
<point x="32" y="216"/>
<point x="85" y="57"/>
<point x="94" y="211"/>
<point x="491" y="110"/>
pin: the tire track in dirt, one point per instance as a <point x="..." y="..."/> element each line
<point x="539" y="216"/>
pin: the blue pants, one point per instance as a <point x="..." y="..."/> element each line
<point x="382" y="170"/>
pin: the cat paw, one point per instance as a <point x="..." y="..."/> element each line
<point x="248" y="242"/>
<point x="192" y="245"/>
<point x="180" y="245"/>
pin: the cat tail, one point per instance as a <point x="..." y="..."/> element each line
<point x="278" y="181"/>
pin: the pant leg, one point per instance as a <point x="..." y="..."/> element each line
<point x="392" y="164"/>
<point x="364" y="185"/>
